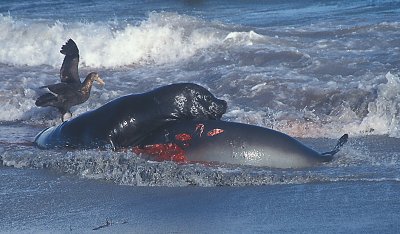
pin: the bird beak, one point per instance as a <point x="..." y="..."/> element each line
<point x="99" y="80"/>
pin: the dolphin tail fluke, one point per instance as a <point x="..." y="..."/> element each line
<point x="338" y="146"/>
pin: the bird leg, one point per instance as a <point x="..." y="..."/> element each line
<point x="66" y="116"/>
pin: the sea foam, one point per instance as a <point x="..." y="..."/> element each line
<point x="162" y="38"/>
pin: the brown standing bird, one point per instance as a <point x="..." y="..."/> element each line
<point x="70" y="91"/>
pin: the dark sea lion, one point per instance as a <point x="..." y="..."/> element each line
<point x="233" y="143"/>
<point x="125" y="121"/>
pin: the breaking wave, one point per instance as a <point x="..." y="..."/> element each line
<point x="273" y="77"/>
<point x="329" y="112"/>
<point x="161" y="38"/>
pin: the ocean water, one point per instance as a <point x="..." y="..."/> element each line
<point x="312" y="69"/>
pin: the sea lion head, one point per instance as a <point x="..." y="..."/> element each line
<point x="197" y="103"/>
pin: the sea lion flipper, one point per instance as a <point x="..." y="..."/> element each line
<point x="338" y="146"/>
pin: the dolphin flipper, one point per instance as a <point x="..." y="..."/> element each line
<point x="338" y="146"/>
